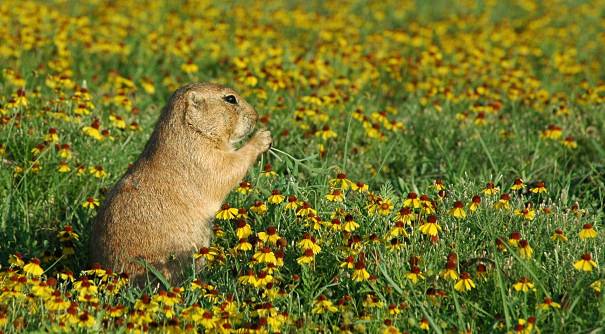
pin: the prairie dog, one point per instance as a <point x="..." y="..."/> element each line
<point x="162" y="208"/>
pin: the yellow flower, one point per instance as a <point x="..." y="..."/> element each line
<point x="70" y="317"/>
<point x="360" y="187"/>
<point x="465" y="283"/>
<point x="262" y="279"/>
<point x="208" y="320"/>
<point x="243" y="245"/>
<point x="450" y="271"/>
<point x="475" y="202"/>
<point x="57" y="303"/>
<point x="93" y="132"/>
<point x="491" y="189"/>
<point x="514" y="239"/>
<point x="307" y="257"/>
<point x="97" y="271"/>
<point x="36" y="167"/>
<point x="438" y="185"/>
<point x="67" y="276"/>
<point x="42" y="290"/>
<point x="248" y="278"/>
<point x="525" y="250"/>
<point x="334" y="224"/>
<point x="538" y="188"/>
<point x="85" y="320"/>
<point x="570" y="142"/>
<point x="547" y="304"/>
<point x="523" y="284"/>
<point x="80" y="170"/>
<point x="208" y="253"/>
<point x="335" y="196"/>
<point x="38" y="149"/>
<point x="63" y="167"/>
<point x="117" y="121"/>
<point x="243" y="229"/>
<point x="350" y="225"/>
<point x="18" y="170"/>
<point x="405" y="215"/>
<point x="348" y="263"/>
<point x="305" y="210"/>
<point x="242" y="213"/>
<point x="588" y="232"/>
<point x="33" y="268"/>
<point x="518" y="185"/>
<point x="308" y="242"/>
<point x="90" y="203"/>
<point x="19" y="98"/>
<point x="268" y="171"/>
<point x="323" y="305"/>
<point x="427" y="205"/>
<point x="259" y="207"/>
<point x="341" y="182"/>
<point x="83" y="109"/>
<point x="586" y="263"/>
<point x="558" y="235"/>
<point x="265" y="255"/>
<point x="414" y="275"/>
<point x="371" y="301"/>
<point x="525" y="326"/>
<point x="226" y="213"/>
<point x="85" y="287"/>
<point x="430" y="227"/>
<point x="389" y="328"/>
<point x="458" y="210"/>
<point x="244" y="188"/>
<point x="67" y="234"/>
<point x="276" y="197"/>
<point x="148" y="86"/>
<point x="250" y="80"/>
<point x="398" y="230"/>
<point x="293" y="203"/>
<point x="424" y="324"/>
<point x="52" y="135"/>
<point x="16" y="260"/>
<point x="326" y="133"/>
<point x="503" y="202"/>
<point x="189" y="67"/>
<point x="193" y="313"/>
<point x="552" y="132"/>
<point x="270" y="236"/>
<point x="527" y="213"/>
<point x="394" y="309"/>
<point x="97" y="171"/>
<point x="360" y="273"/>
<point x="412" y="201"/>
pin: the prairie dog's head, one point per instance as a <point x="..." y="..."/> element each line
<point x="215" y="112"/>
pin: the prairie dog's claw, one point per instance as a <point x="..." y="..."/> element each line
<point x="262" y="139"/>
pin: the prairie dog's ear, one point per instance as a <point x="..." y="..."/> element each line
<point x="198" y="115"/>
<point x="194" y="98"/>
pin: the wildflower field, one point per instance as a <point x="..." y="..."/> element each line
<point x="437" y="166"/>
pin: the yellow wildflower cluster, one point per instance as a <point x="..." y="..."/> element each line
<point x="451" y="158"/>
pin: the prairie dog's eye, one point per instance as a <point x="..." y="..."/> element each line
<point x="230" y="99"/>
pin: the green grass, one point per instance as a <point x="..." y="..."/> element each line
<point x="437" y="68"/>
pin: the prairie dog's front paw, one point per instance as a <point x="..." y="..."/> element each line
<point x="262" y="140"/>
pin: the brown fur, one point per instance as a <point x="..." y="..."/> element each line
<point x="162" y="208"/>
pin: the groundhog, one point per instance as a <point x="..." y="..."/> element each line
<point x="161" y="211"/>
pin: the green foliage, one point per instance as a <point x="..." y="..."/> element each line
<point x="396" y="96"/>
